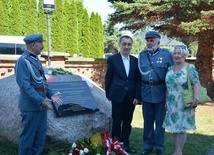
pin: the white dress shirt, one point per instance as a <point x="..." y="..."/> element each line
<point x="126" y="62"/>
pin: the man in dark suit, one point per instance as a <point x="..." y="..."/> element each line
<point x="122" y="86"/>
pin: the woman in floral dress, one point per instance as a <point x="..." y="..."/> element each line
<point x="179" y="119"/>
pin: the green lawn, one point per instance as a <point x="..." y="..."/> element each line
<point x="199" y="142"/>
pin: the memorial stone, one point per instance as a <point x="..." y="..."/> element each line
<point x="61" y="131"/>
<point x="76" y="97"/>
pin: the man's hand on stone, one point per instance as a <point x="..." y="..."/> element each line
<point x="55" y="98"/>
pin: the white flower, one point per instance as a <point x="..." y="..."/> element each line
<point x="74" y="145"/>
<point x="98" y="154"/>
<point x="81" y="152"/>
<point x="70" y="154"/>
<point x="86" y="150"/>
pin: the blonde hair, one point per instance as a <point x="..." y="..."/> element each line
<point x="183" y="49"/>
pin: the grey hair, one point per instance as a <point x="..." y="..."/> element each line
<point x="183" y="49"/>
<point x="157" y="39"/>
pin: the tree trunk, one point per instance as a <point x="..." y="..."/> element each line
<point x="204" y="60"/>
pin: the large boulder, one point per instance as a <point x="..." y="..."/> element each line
<point x="61" y="130"/>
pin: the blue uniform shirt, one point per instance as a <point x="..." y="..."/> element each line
<point x="28" y="77"/>
<point x="160" y="60"/>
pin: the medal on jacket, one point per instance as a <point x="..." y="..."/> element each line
<point x="159" y="59"/>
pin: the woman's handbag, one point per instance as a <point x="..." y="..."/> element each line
<point x="189" y="96"/>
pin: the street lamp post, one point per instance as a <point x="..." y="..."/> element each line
<point x="48" y="14"/>
<point x="49" y="6"/>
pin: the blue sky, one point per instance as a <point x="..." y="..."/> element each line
<point x="102" y="8"/>
<point x="98" y="6"/>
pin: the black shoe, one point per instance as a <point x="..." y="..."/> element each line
<point x="129" y="150"/>
<point x="159" y="152"/>
<point x="146" y="151"/>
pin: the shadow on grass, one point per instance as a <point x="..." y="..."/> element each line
<point x="196" y="144"/>
<point x="7" y="148"/>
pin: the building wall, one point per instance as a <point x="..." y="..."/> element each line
<point x="92" y="68"/>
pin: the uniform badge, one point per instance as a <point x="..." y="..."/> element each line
<point x="159" y="59"/>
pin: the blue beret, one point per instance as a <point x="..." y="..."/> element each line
<point x="152" y="34"/>
<point x="33" y="38"/>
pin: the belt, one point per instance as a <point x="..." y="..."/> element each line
<point x="152" y="83"/>
<point x="40" y="89"/>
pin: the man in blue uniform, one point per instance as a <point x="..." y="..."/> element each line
<point x="153" y="65"/>
<point x="34" y="98"/>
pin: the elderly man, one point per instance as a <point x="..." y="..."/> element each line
<point x="153" y="64"/>
<point x="34" y="98"/>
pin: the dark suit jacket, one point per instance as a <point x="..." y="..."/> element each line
<point x="117" y="84"/>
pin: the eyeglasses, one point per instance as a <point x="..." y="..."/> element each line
<point x="181" y="46"/>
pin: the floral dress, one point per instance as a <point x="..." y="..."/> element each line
<point x="177" y="118"/>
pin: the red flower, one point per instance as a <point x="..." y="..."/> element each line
<point x="105" y="148"/>
<point x="118" y="150"/>
<point x="105" y="136"/>
<point x="108" y="146"/>
<point x="75" y="152"/>
<point x="112" y="145"/>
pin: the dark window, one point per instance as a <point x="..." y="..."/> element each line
<point x="8" y="48"/>
<point x="20" y="48"/>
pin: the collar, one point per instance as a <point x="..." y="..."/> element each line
<point x="154" y="53"/>
<point x="125" y="58"/>
<point x="32" y="55"/>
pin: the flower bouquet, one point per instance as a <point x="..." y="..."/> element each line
<point x="112" y="146"/>
<point x="96" y="145"/>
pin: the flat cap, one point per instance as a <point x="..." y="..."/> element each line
<point x="33" y="38"/>
<point x="152" y="34"/>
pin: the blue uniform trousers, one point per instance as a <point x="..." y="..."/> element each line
<point x="34" y="127"/>
<point x="153" y="136"/>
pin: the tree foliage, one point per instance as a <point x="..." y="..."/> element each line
<point x="30" y="16"/>
<point x="86" y="36"/>
<point x="42" y="25"/>
<point x="15" y="18"/>
<point x="57" y="24"/>
<point x="100" y="43"/>
<point x="189" y="20"/>
<point x="81" y="20"/>
<point x="137" y="45"/>
<point x="112" y="35"/>
<point x="4" y="28"/>
<point x="98" y="39"/>
<point x="71" y="29"/>
<point x="128" y="1"/>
